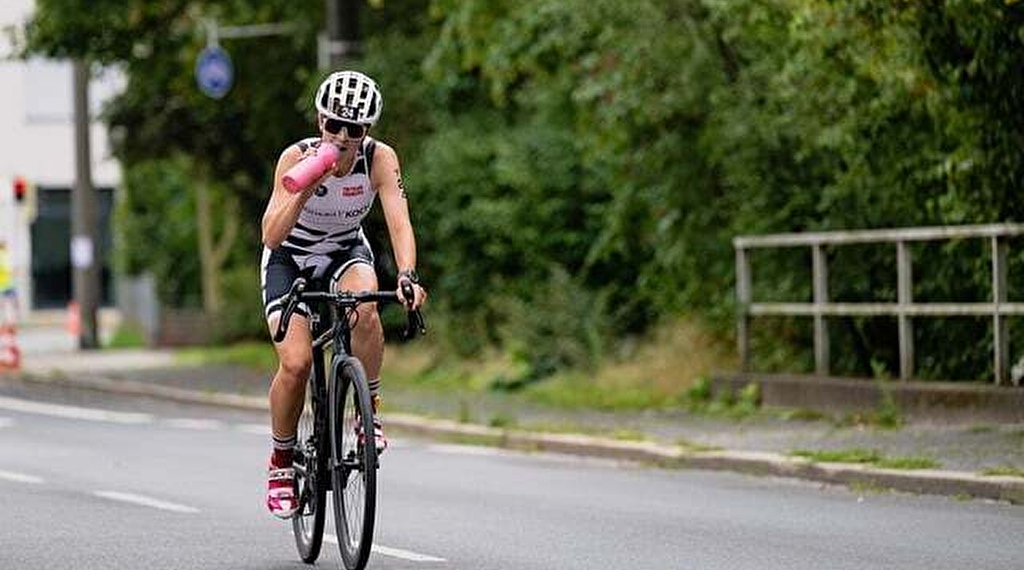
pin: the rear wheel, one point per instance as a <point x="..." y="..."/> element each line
<point x="311" y="478"/>
<point x="354" y="462"/>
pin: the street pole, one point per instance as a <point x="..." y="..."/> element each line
<point x="84" y="254"/>
<point x="343" y="45"/>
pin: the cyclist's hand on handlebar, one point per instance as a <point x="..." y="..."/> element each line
<point x="411" y="293"/>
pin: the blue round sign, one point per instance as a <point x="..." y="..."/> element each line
<point x="214" y="72"/>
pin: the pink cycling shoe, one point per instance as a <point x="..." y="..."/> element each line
<point x="282" y="499"/>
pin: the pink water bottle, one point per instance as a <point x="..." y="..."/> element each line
<point x="311" y="168"/>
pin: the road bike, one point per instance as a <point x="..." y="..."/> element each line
<point x="335" y="449"/>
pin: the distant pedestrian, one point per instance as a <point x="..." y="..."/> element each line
<point x="8" y="299"/>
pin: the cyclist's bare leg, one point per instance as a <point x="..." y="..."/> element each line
<point x="368" y="334"/>
<point x="288" y="390"/>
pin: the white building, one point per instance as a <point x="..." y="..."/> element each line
<point x="37" y="143"/>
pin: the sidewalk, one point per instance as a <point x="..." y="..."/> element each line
<point x="760" y="444"/>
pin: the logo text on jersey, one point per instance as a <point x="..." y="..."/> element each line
<point x="351" y="190"/>
<point x="357" y="212"/>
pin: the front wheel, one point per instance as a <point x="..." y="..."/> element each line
<point x="353" y="461"/>
<point x="311" y="477"/>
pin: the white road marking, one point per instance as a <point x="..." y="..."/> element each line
<point x="73" y="412"/>
<point x="20" y="477"/>
<point x="193" y="423"/>
<point x="255" y="429"/>
<point x="145" y="501"/>
<point x="6" y="422"/>
<point x="405" y="554"/>
<point x="393" y="552"/>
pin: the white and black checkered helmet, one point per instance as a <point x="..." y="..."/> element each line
<point x="349" y="96"/>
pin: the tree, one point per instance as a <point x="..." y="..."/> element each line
<point x="231" y="144"/>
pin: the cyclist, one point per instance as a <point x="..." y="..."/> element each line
<point x="316" y="232"/>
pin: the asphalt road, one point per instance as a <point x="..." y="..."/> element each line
<point x="92" y="481"/>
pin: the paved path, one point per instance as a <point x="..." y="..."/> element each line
<point x="761" y="443"/>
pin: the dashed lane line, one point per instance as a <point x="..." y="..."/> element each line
<point x="128" y="418"/>
<point x="20" y="478"/>
<point x="254" y="429"/>
<point x="405" y="554"/>
<point x="73" y="412"/>
<point x="394" y="552"/>
<point x="144" y="501"/>
<point x="193" y="423"/>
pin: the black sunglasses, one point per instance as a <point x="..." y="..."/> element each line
<point x="353" y="130"/>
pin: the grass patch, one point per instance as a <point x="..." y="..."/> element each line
<point x="1005" y="471"/>
<point x="465" y="412"/>
<point x="982" y="428"/>
<point x="909" y="462"/>
<point x="868" y="457"/>
<point x="126" y="336"/>
<point x="257" y="355"/>
<point x="502" y="420"/>
<point x="628" y="435"/>
<point x="702" y="398"/>
<point x="694" y="446"/>
<point x="875" y="419"/>
<point x="802" y="415"/>
<point x="868" y="488"/>
<point x="654" y="372"/>
<point x="886" y="414"/>
<point x="854" y="455"/>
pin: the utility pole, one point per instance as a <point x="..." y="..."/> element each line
<point x="84" y="254"/>
<point x="343" y="45"/>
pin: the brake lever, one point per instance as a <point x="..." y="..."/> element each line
<point x="415" y="324"/>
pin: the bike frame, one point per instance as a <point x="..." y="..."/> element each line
<point x="323" y="386"/>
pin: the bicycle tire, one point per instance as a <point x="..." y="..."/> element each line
<point x="353" y="466"/>
<point x="311" y="477"/>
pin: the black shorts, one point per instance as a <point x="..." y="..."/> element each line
<point x="279" y="269"/>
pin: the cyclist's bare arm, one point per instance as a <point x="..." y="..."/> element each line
<point x="387" y="178"/>
<point x="284" y="207"/>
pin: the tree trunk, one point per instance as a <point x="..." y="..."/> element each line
<point x="213" y="252"/>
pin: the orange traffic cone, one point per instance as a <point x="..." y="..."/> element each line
<point x="74" y="319"/>
<point x="10" y="355"/>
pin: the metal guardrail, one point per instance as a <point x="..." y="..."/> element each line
<point x="905" y="309"/>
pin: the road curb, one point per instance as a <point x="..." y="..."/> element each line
<point x="934" y="482"/>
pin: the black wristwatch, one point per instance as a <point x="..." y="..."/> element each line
<point x="410" y="274"/>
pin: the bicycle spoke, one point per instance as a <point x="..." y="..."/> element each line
<point x="354" y="482"/>
<point x="354" y="492"/>
<point x="308" y="522"/>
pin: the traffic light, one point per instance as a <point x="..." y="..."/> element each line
<point x="20" y="188"/>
